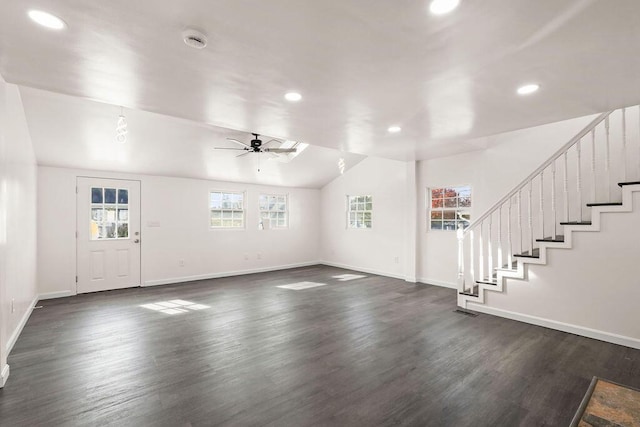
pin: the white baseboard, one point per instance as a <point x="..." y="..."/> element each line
<point x="363" y="270"/>
<point x="52" y="295"/>
<point x="559" y="326"/>
<point x="4" y="375"/>
<point x="438" y="283"/>
<point x="23" y="321"/>
<point x="173" y="280"/>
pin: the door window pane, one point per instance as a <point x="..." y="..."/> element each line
<point x="96" y="195"/>
<point x="123" y="230"/>
<point x="123" y="197"/>
<point x="109" y="214"/>
<point x="110" y="195"/>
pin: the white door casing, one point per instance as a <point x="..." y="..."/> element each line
<point x="108" y="234"/>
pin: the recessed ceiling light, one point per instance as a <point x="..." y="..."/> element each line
<point x="528" y="89"/>
<point x="293" y="96"/>
<point x="46" y="19"/>
<point x="394" y="129"/>
<point x="441" y="7"/>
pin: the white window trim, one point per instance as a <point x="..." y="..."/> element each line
<point x="348" y="211"/>
<point x="244" y="210"/>
<point x="286" y="211"/>
<point x="428" y="206"/>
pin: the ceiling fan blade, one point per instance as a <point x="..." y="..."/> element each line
<point x="280" y="150"/>
<point x="238" y="142"/>
<point x="243" y="154"/>
<point x="227" y="148"/>
<point x="270" y="141"/>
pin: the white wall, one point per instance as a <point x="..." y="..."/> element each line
<point x="492" y="173"/>
<point x="17" y="221"/>
<point x="595" y="285"/>
<point x="180" y="206"/>
<point x="381" y="249"/>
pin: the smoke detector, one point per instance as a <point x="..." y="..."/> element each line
<point x="194" y="38"/>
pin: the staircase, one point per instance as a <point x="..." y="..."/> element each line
<point x="595" y="172"/>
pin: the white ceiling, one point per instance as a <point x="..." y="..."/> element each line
<point x="361" y="65"/>
<point x="73" y="132"/>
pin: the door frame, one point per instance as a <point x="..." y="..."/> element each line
<point x="75" y="240"/>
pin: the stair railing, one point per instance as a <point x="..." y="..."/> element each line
<point x="501" y="234"/>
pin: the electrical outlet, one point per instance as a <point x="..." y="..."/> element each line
<point x="13" y="305"/>
<point x="259" y="256"/>
<point x="246" y="257"/>
<point x="397" y="259"/>
<point x="181" y="263"/>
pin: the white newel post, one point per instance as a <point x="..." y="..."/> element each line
<point x="460" y="235"/>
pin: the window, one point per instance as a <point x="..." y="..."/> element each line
<point x="227" y="209"/>
<point x="109" y="213"/>
<point x="274" y="209"/>
<point x="359" y="213"/>
<point x="450" y="207"/>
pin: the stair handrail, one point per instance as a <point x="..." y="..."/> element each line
<point x="595" y="122"/>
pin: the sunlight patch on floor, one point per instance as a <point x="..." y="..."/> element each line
<point x="301" y="285"/>
<point x="347" y="277"/>
<point x="176" y="306"/>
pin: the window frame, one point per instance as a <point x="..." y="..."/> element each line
<point x="243" y="210"/>
<point x="458" y="210"/>
<point x="350" y="225"/>
<point x="269" y="211"/>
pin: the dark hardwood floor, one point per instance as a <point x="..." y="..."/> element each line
<point x="368" y="352"/>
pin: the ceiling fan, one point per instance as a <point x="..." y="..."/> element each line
<point x="256" y="146"/>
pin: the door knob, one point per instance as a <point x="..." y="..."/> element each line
<point x="136" y="241"/>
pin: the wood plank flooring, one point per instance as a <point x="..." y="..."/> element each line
<point x="372" y="351"/>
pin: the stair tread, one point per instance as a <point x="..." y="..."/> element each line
<point x="604" y="204"/>
<point x="576" y="223"/>
<point x="487" y="282"/>
<point x="622" y="184"/>
<point x="534" y="254"/>
<point x="557" y="239"/>
<point x="474" y="292"/>
<point x="514" y="264"/>
<point x="469" y="294"/>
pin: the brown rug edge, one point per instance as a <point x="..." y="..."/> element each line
<point x="585" y="402"/>
<point x="587" y="398"/>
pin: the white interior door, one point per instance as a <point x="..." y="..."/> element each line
<point x="108" y="234"/>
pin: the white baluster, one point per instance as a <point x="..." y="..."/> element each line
<point x="510" y="239"/>
<point x="565" y="187"/>
<point x="593" y="166"/>
<point x="500" y="265"/>
<point x="481" y="253"/>
<point x="553" y="199"/>
<point x="579" y="179"/>
<point x="490" y="251"/>
<point x="530" y="215"/>
<point x="472" y="260"/>
<point x="624" y="144"/>
<point x="520" y="218"/>
<point x="542" y="205"/>
<point x="607" y="160"/>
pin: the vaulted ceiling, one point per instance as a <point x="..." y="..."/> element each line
<point x="360" y="65"/>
